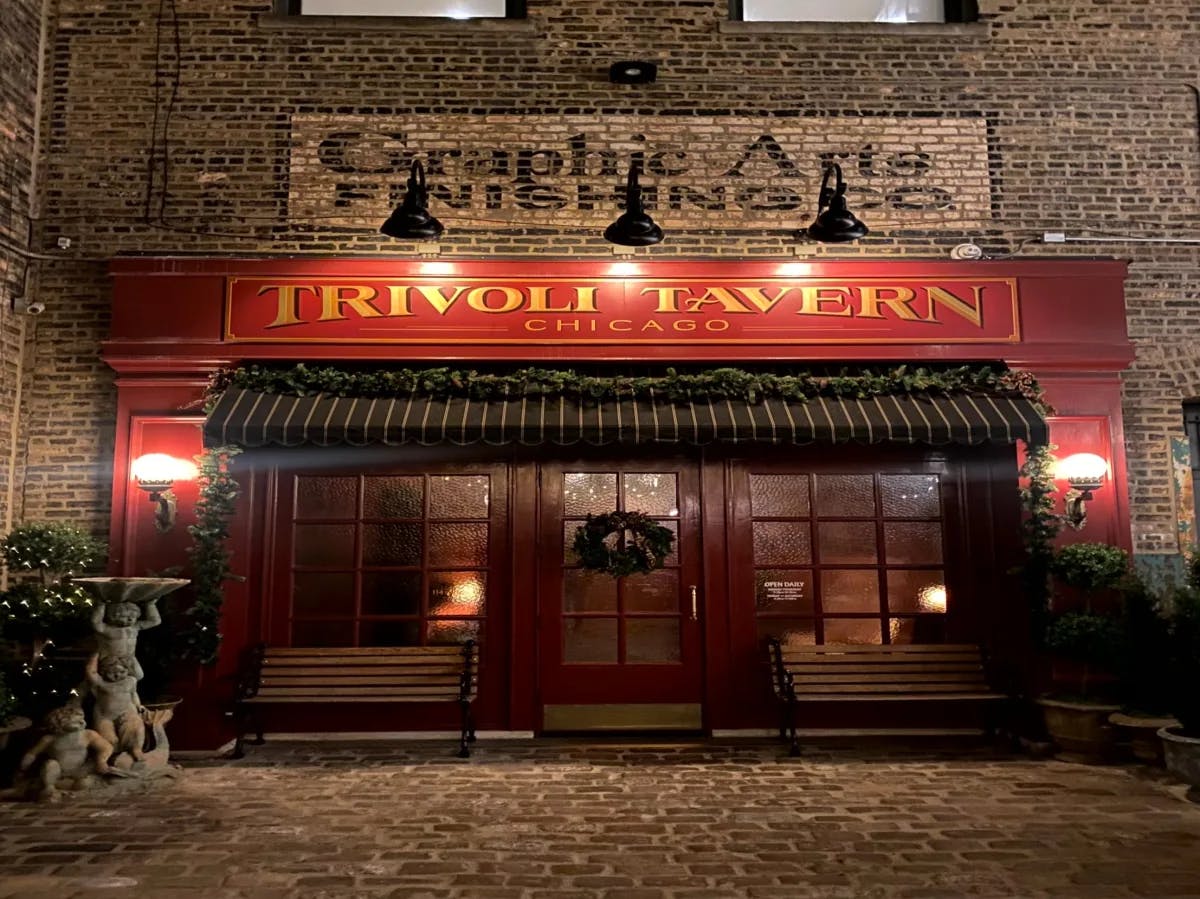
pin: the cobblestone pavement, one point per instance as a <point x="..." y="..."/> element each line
<point x="632" y="820"/>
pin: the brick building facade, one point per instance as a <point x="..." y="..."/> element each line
<point x="227" y="130"/>
<point x="177" y="134"/>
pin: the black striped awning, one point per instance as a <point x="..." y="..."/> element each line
<point x="250" y="419"/>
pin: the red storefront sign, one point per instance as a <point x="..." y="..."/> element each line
<point x="598" y="310"/>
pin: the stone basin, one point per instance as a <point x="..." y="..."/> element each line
<point x="129" y="589"/>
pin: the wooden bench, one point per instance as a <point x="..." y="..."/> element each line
<point x="873" y="673"/>
<point x="368" y="674"/>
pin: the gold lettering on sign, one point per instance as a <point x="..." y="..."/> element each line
<point x="874" y="297"/>
<point x="668" y="297"/>
<point x="398" y="301"/>
<point x="441" y="303"/>
<point x="811" y="299"/>
<point x="540" y="300"/>
<point x="676" y="307"/>
<point x="722" y="297"/>
<point x="477" y="299"/>
<point x="961" y="308"/>
<point x="288" y="312"/>
<point x="356" y="296"/>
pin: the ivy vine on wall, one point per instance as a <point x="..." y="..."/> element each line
<point x="209" y="553"/>
<point x="1040" y="525"/>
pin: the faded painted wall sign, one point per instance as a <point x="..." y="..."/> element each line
<point x="729" y="172"/>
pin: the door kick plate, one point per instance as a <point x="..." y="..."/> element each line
<point x="623" y="716"/>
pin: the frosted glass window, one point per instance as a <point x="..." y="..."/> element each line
<point x="782" y="543"/>
<point x="887" y="11"/>
<point x="779" y="495"/>
<point x="652" y="494"/>
<point x="652" y="640"/>
<point x="446" y="9"/>
<point x="589" y="493"/>
<point x="657" y="591"/>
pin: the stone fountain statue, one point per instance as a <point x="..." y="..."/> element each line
<point x="80" y="753"/>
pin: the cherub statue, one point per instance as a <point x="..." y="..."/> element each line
<point x="74" y="754"/>
<point x="117" y="715"/>
<point x="117" y="624"/>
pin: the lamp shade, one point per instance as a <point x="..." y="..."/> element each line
<point x="1083" y="471"/>
<point x="633" y="228"/>
<point x="411" y="220"/>
<point x="158" y="470"/>
<point x="835" y="223"/>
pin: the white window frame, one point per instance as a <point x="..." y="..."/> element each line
<point x="955" y="11"/>
<point x="513" y="9"/>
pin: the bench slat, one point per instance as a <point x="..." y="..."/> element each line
<point x="877" y="648"/>
<point x="345" y="651"/>
<point x="906" y="697"/>
<point x="441" y="683"/>
<point x="360" y="661"/>
<point x="881" y="658"/>
<point x="318" y="691"/>
<point x="885" y="665"/>
<point x="254" y="700"/>
<point x="365" y="670"/>
<point x="801" y="680"/>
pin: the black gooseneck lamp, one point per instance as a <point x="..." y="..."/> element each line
<point x="412" y="220"/>
<point x="633" y="228"/>
<point x="834" y="222"/>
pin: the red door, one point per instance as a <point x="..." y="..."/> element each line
<point x="620" y="653"/>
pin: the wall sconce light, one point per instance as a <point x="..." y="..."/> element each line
<point x="1084" y="472"/>
<point x="633" y="228"/>
<point x="156" y="473"/>
<point x="834" y="222"/>
<point x="411" y="220"/>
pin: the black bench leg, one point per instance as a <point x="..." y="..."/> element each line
<point x="989" y="724"/>
<point x="258" y="728"/>
<point x="794" y="748"/>
<point x="464" y="751"/>
<point x="239" y="723"/>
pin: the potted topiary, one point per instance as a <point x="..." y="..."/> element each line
<point x="1084" y="643"/>
<point x="1182" y="743"/>
<point x="1144" y="675"/>
<point x="43" y="605"/>
<point x="44" y="615"/>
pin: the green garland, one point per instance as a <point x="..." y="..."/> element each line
<point x="1039" y="526"/>
<point x="641" y="543"/>
<point x="209" y="553"/>
<point x="672" y="385"/>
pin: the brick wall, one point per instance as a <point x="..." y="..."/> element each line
<point x="20" y="32"/>
<point x="181" y="136"/>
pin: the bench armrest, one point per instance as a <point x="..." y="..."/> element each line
<point x="249" y="678"/>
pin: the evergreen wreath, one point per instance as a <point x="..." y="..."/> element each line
<point x="645" y="546"/>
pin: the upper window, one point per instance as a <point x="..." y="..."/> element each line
<point x="443" y="9"/>
<point x="882" y="11"/>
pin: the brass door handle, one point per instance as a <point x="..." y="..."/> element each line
<point x="693" y="589"/>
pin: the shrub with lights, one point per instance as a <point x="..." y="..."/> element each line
<point x="42" y="614"/>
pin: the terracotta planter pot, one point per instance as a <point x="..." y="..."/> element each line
<point x="1081" y="729"/>
<point x="1182" y="756"/>
<point x="1140" y="734"/>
